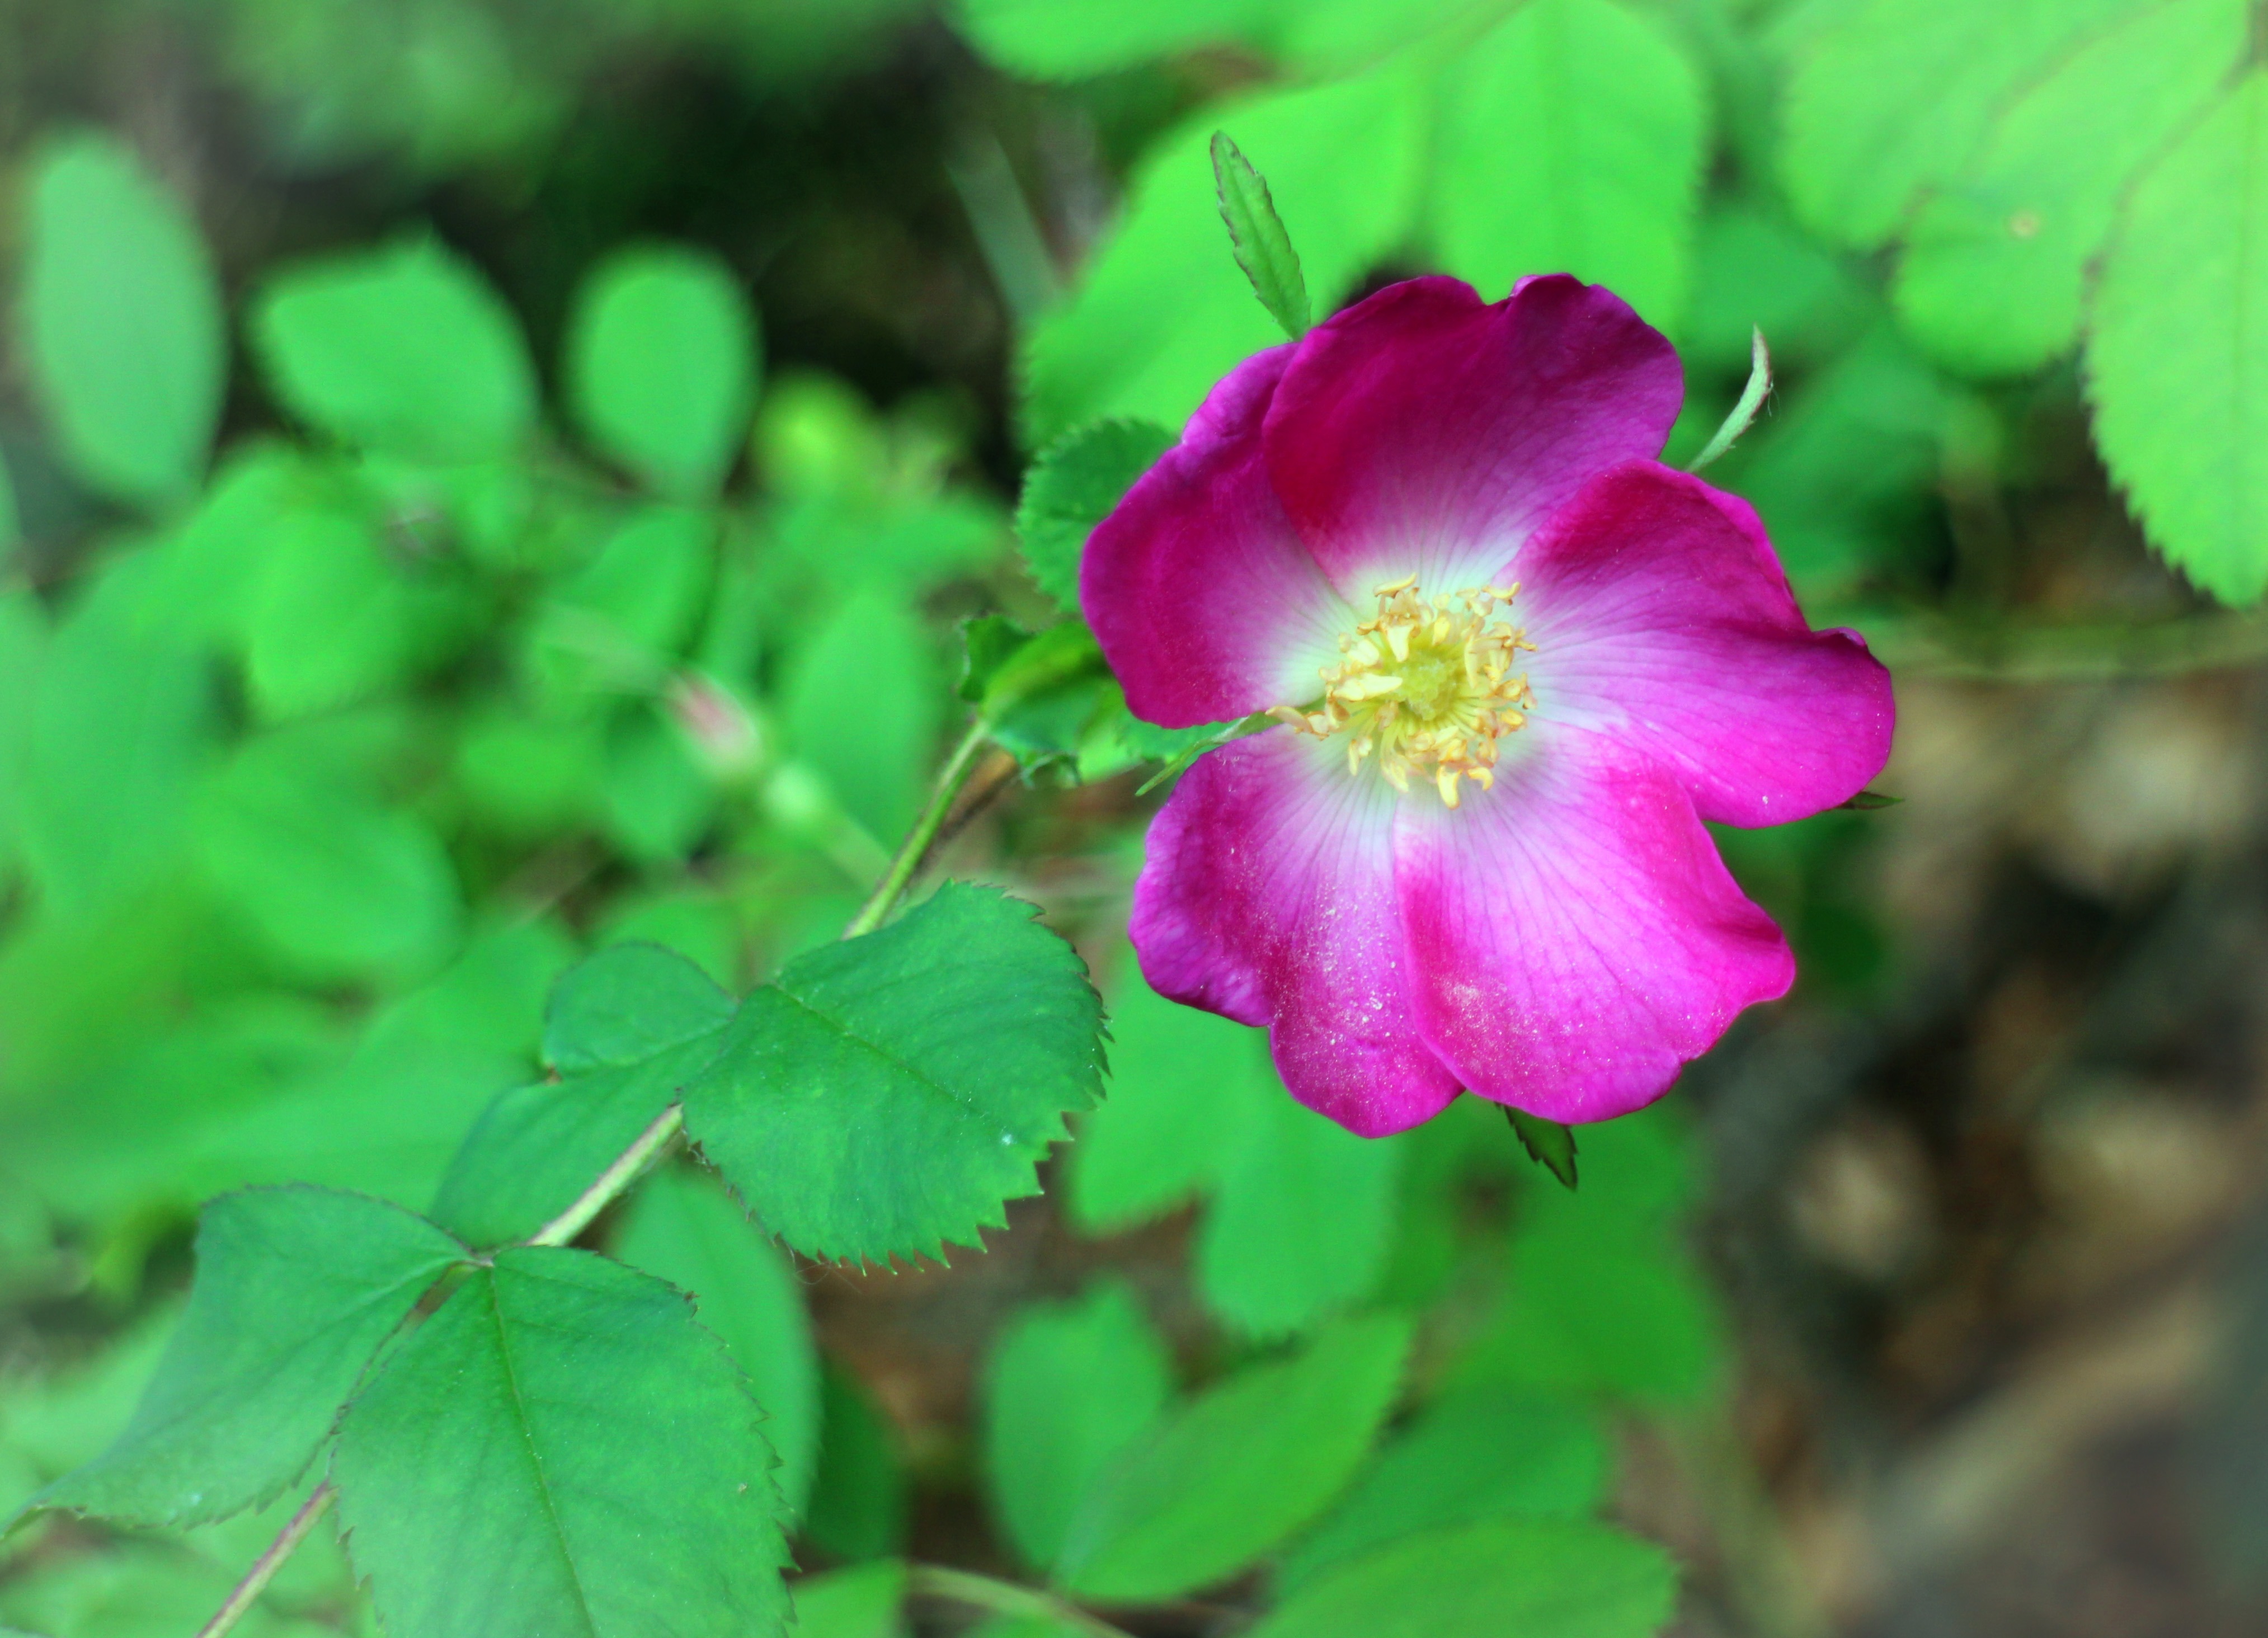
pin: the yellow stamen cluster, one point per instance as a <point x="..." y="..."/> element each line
<point x="1428" y="689"/>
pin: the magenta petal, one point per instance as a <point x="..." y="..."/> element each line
<point x="1204" y="601"/>
<point x="1422" y="431"/>
<point x="1267" y="895"/>
<point x="1573" y="936"/>
<point x="1661" y="619"/>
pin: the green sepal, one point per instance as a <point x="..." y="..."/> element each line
<point x="1264" y="249"/>
<point x="1548" y="1144"/>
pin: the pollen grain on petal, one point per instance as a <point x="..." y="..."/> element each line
<point x="1425" y="688"/>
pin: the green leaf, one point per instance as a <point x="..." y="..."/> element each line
<point x="1068" y="1388"/>
<point x="659" y="798"/>
<point x="1539" y="1578"/>
<point x="858" y="698"/>
<point x="122" y="323"/>
<point x="1754" y="271"/>
<point x="1572" y="140"/>
<point x="661" y="366"/>
<point x="1302" y="1219"/>
<point x="1184" y="1085"/>
<point x="864" y="1601"/>
<point x="405" y="349"/>
<point x="627" y="1003"/>
<point x="1237" y="1471"/>
<point x="1854" y="157"/>
<point x="1073" y="486"/>
<point x="11" y="521"/>
<point x="2177" y="366"/>
<point x="332" y="614"/>
<point x="1602" y="1299"/>
<point x="295" y="1290"/>
<point x="1161" y="314"/>
<point x="121" y="726"/>
<point x="1995" y="264"/>
<point x="536" y="1148"/>
<point x="1481" y="1454"/>
<point x="561" y="1448"/>
<point x="887" y="1093"/>
<point x="1256" y="235"/>
<point x="334" y="884"/>
<point x="859" y="1496"/>
<point x="619" y="623"/>
<point x="1548" y="1144"/>
<point x="685" y="1229"/>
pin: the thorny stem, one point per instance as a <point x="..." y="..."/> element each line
<point x="626" y="1167"/>
<point x="264" y="1567"/>
<point x="915" y="847"/>
<point x="1003" y="1598"/>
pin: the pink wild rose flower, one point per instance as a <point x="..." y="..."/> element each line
<point x="1517" y="663"/>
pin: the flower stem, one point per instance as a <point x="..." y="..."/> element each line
<point x="264" y="1567"/>
<point x="950" y="779"/>
<point x="618" y="1176"/>
<point x="1003" y="1598"/>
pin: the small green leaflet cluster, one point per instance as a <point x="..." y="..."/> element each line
<point x="2088" y="168"/>
<point x="545" y="1439"/>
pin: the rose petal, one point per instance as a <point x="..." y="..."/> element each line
<point x="1661" y="619"/>
<point x="1267" y="895"/>
<point x="1206" y="603"/>
<point x="1573" y="937"/>
<point x="1424" y="431"/>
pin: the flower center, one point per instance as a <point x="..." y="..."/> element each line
<point x="1426" y="687"/>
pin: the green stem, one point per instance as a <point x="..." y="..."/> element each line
<point x="2037" y="654"/>
<point x="950" y="779"/>
<point x="1003" y="1598"/>
<point x="264" y="1567"/>
<point x="624" y="1171"/>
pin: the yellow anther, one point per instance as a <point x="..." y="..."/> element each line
<point x="1425" y="687"/>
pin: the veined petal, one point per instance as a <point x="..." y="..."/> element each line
<point x="1573" y="937"/>
<point x="1661" y="619"/>
<point x="1206" y="602"/>
<point x="1423" y="431"/>
<point x="1268" y="895"/>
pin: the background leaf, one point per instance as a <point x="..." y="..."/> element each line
<point x="661" y="366"/>
<point x="887" y="1093"/>
<point x="1995" y="263"/>
<point x="1175" y="1071"/>
<point x="295" y="1290"/>
<point x="1242" y="1468"/>
<point x="2178" y="363"/>
<point x="859" y="1500"/>
<point x="1572" y="140"/>
<point x="122" y="323"/>
<point x="1854" y="157"/>
<point x="335" y="885"/>
<point x="1302" y="1215"/>
<point x="1069" y="1386"/>
<point x="684" y="1230"/>
<point x="1478" y="1454"/>
<point x="561" y="1448"/>
<point x="1163" y="311"/>
<point x="406" y="350"/>
<point x="861" y="1602"/>
<point x="1542" y="1579"/>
